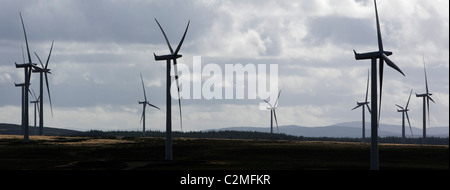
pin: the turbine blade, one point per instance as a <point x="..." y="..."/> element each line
<point x="153" y="106"/>
<point x="23" y="54"/>
<point x="29" y="76"/>
<point x="167" y="40"/>
<point x="407" y="103"/>
<point x="429" y="97"/>
<point x="26" y="39"/>
<point x="400" y="106"/>
<point x="178" y="91"/>
<point x="268" y="103"/>
<point x="276" y="102"/>
<point x="48" y="91"/>
<point x="356" y="107"/>
<point x="367" y="88"/>
<point x="38" y="110"/>
<point x="49" y="54"/>
<point x="391" y="64"/>
<point x="410" y="128"/>
<point x="182" y="39"/>
<point x="142" y="116"/>
<point x="380" y="41"/>
<point x="39" y="59"/>
<point x="29" y="91"/>
<point x="370" y="111"/>
<point x="143" y="88"/>
<point x="276" y="121"/>
<point x="34" y="95"/>
<point x="425" y="71"/>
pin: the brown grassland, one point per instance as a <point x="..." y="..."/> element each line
<point x="138" y="153"/>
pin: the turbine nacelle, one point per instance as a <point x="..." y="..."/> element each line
<point x="371" y="55"/>
<point x="166" y="57"/>
<point x="362" y="103"/>
<point x="20" y="84"/>
<point x="382" y="55"/>
<point x="37" y="69"/>
<point x="25" y="65"/>
<point x="423" y="95"/>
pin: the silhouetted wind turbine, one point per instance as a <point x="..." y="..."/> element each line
<point x="405" y="112"/>
<point x="172" y="56"/>
<point x="426" y="96"/>
<point x="25" y="86"/>
<point x="365" y="103"/>
<point x="382" y="56"/>
<point x="144" y="104"/>
<point x="35" y="102"/>
<point x="272" y="113"/>
<point x="43" y="72"/>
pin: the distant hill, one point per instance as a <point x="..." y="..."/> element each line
<point x="347" y="129"/>
<point x="14" y="129"/>
<point x="339" y="130"/>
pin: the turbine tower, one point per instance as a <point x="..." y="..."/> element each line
<point x="43" y="72"/>
<point x="426" y="103"/>
<point x="405" y="112"/>
<point x="144" y="104"/>
<point x="382" y="55"/>
<point x="272" y="113"/>
<point x="25" y="86"/>
<point x="172" y="56"/>
<point x="365" y="103"/>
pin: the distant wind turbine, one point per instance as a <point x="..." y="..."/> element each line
<point x="43" y="70"/>
<point x="273" y="114"/>
<point x="35" y="102"/>
<point x="172" y="56"/>
<point x="426" y="96"/>
<point x="144" y="104"/>
<point x="405" y="112"/>
<point x="382" y="55"/>
<point x="363" y="104"/>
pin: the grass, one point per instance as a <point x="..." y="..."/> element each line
<point x="137" y="153"/>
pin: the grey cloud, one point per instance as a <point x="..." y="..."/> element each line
<point x="341" y="30"/>
<point x="118" y="21"/>
<point x="102" y="46"/>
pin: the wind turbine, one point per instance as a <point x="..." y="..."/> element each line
<point x="43" y="72"/>
<point x="365" y="103"/>
<point x="426" y="96"/>
<point x="35" y="102"/>
<point x="381" y="54"/>
<point x="405" y="112"/>
<point x="172" y="56"/>
<point x="144" y="104"/>
<point x="272" y="113"/>
<point x="25" y="86"/>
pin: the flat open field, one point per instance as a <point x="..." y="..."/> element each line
<point x="137" y="153"/>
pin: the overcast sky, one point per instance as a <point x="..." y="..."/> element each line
<point x="101" y="47"/>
